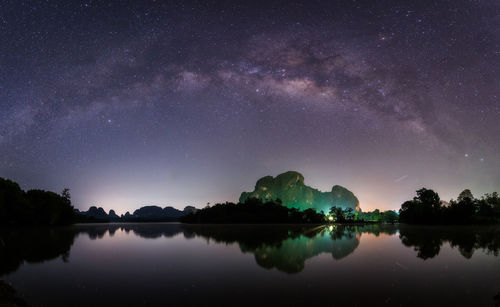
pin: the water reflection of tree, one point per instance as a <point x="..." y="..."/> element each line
<point x="427" y="241"/>
<point x="18" y="246"/>
<point x="285" y="247"/>
<point x="25" y="245"/>
<point x="291" y="255"/>
<point x="36" y="245"/>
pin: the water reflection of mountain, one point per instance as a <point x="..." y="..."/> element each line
<point x="291" y="255"/>
<point x="274" y="246"/>
<point x="284" y="247"/>
<point x="427" y="240"/>
<point x="143" y="230"/>
<point x="287" y="247"/>
<point x="20" y="245"/>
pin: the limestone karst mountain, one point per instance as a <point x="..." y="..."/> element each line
<point x="145" y="213"/>
<point x="290" y="188"/>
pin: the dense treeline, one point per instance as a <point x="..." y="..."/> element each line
<point x="427" y="208"/>
<point x="34" y="207"/>
<point x="348" y="215"/>
<point x="45" y="208"/>
<point x="378" y="216"/>
<point x="253" y="210"/>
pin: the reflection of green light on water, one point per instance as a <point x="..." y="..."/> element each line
<point x="292" y="253"/>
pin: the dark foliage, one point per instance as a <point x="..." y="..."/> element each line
<point x="338" y="215"/>
<point x="35" y="207"/>
<point x="9" y="297"/>
<point x="349" y="216"/>
<point x="378" y="216"/>
<point x="253" y="211"/>
<point x="427" y="208"/>
<point x="86" y="219"/>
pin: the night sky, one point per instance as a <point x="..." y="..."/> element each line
<point x="182" y="103"/>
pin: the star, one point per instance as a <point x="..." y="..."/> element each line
<point x="247" y="88"/>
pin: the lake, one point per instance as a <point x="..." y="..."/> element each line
<point x="176" y="264"/>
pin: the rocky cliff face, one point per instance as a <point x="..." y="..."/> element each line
<point x="291" y="189"/>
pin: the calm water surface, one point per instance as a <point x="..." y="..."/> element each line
<point x="175" y="264"/>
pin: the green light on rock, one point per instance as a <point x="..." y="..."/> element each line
<point x="292" y="192"/>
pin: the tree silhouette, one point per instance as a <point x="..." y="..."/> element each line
<point x="465" y="194"/>
<point x="337" y="214"/>
<point x="253" y="210"/>
<point x="426" y="208"/>
<point x="35" y="207"/>
<point x="66" y="194"/>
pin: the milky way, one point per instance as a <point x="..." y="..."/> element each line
<point x="170" y="103"/>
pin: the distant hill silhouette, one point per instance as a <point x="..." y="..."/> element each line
<point x="143" y="214"/>
<point x="290" y="188"/>
<point x="153" y="212"/>
<point x="96" y="213"/>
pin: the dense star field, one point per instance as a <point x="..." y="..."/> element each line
<point x="182" y="103"/>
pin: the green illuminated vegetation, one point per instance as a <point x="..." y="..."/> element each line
<point x="289" y="187"/>
<point x="254" y="210"/>
<point x="300" y="204"/>
<point x="339" y="215"/>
